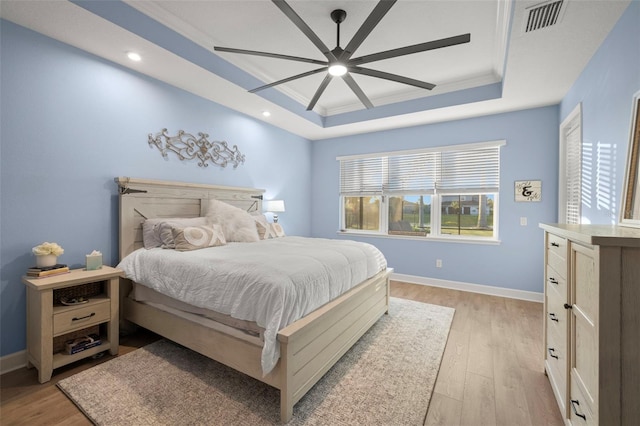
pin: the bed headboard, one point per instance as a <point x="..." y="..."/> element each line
<point x="142" y="199"/>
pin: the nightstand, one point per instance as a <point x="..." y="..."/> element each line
<point x="50" y="323"/>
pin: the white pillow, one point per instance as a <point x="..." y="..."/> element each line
<point x="237" y="225"/>
<point x="197" y="237"/>
<point x="156" y="232"/>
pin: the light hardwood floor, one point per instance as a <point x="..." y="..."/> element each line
<point x="491" y="372"/>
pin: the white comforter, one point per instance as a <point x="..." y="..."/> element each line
<point x="273" y="282"/>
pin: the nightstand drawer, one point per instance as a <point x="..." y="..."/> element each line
<point x="81" y="317"/>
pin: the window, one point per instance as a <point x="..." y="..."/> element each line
<point x="446" y="192"/>
<point x="362" y="213"/>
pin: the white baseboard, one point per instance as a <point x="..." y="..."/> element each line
<point x="13" y="361"/>
<point x="473" y="288"/>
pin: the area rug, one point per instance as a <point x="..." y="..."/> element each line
<point x="386" y="378"/>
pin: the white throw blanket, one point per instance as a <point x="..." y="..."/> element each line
<point x="273" y="282"/>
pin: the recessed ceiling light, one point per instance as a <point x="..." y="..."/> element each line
<point x="266" y="113"/>
<point x="134" y="56"/>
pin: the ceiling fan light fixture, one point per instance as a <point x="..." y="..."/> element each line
<point x="337" y="70"/>
<point x="134" y="56"/>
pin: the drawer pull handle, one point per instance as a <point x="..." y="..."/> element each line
<point x="553" y="317"/>
<point x="553" y="281"/>
<point x="555" y="245"/>
<point x="568" y="306"/>
<point x="575" y="402"/>
<point x="552" y="354"/>
<point x="85" y="317"/>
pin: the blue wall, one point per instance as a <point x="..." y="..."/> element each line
<point x="531" y="153"/>
<point x="605" y="88"/>
<point x="71" y="122"/>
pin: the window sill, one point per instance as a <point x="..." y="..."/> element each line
<point x="456" y="239"/>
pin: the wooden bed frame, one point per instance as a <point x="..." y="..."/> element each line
<point x="308" y="348"/>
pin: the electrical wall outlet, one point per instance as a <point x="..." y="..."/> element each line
<point x="523" y="221"/>
<point x="438" y="263"/>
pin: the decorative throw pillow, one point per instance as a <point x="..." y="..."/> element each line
<point x="237" y="225"/>
<point x="197" y="237"/>
<point x="150" y="238"/>
<point x="264" y="230"/>
<point x="156" y="232"/>
<point x="276" y="229"/>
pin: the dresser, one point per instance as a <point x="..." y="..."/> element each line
<point x="592" y="322"/>
<point x="52" y="321"/>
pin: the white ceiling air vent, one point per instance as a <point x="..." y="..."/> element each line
<point x="543" y="15"/>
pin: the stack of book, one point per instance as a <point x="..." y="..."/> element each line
<point x="47" y="271"/>
<point x="82" y="343"/>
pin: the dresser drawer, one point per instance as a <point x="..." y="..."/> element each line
<point x="557" y="282"/>
<point x="556" y="314"/>
<point x="557" y="248"/>
<point x="81" y="316"/>
<point x="556" y="355"/>
<point x="585" y="362"/>
<point x="580" y="412"/>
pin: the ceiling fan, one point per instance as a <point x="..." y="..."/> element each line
<point x="339" y="61"/>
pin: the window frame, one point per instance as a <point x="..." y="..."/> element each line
<point x="436" y="195"/>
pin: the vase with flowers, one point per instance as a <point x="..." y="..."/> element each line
<point x="47" y="254"/>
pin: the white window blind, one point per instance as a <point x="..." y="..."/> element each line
<point x="413" y="173"/>
<point x="466" y="171"/>
<point x="361" y="176"/>
<point x="468" y="168"/>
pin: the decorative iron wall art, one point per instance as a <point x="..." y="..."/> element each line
<point x="188" y="147"/>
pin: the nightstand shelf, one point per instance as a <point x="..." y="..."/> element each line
<point x="50" y="323"/>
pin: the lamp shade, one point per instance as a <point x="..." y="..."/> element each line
<point x="273" y="206"/>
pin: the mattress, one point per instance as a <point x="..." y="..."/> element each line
<point x="141" y="293"/>
<point x="271" y="283"/>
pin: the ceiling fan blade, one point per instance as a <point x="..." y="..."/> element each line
<point x="302" y="26"/>
<point x="407" y="50"/>
<point x="319" y="92"/>
<point x="269" y="55"/>
<point x="286" y="80"/>
<point x="369" y="24"/>
<point x="392" y="77"/>
<point x="357" y="90"/>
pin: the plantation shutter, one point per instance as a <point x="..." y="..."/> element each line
<point x="361" y="176"/>
<point x="469" y="171"/>
<point x="573" y="172"/>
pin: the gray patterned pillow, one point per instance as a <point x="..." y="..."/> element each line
<point x="197" y="237"/>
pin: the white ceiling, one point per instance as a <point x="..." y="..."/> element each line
<point x="532" y="69"/>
